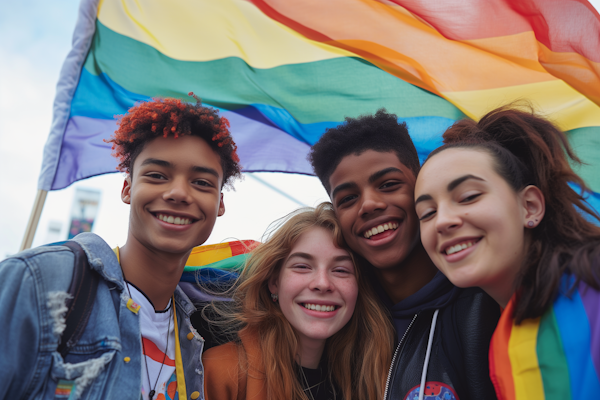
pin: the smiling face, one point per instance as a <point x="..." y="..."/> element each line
<point x="174" y="193"/>
<point x="372" y="195"/>
<point x="472" y="221"/>
<point x="317" y="287"/>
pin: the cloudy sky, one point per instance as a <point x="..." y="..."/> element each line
<point x="35" y="37"/>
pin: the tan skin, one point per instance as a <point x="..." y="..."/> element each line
<point x="373" y="189"/>
<point x="179" y="178"/>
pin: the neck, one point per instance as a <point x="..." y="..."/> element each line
<point x="155" y="273"/>
<point x="409" y="276"/>
<point x="501" y="292"/>
<point x="310" y="352"/>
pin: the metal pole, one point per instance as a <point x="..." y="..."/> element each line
<point x="34" y="219"/>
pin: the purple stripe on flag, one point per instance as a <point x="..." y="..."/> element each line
<point x="591" y="303"/>
<point x="84" y="153"/>
<point x="266" y="148"/>
<point x="261" y="148"/>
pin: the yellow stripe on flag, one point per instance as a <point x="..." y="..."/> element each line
<point x="523" y="358"/>
<point x="204" y="255"/>
<point x="568" y="108"/>
<point x="212" y="30"/>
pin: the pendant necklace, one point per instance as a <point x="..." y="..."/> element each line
<point x="162" y="364"/>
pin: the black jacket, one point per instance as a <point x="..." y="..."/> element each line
<point x="458" y="365"/>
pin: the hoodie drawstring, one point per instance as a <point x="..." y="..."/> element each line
<point x="429" y="344"/>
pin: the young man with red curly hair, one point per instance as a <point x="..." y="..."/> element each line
<point x="138" y="341"/>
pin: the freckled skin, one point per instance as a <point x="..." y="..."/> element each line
<point x="327" y="277"/>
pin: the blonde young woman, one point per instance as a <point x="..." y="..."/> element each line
<point x="304" y="323"/>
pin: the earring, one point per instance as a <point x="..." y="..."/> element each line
<point x="530" y="224"/>
<point x="275" y="297"/>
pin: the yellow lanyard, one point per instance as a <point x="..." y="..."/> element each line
<point x="182" y="393"/>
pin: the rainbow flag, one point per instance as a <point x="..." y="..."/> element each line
<point x="284" y="71"/>
<point x="556" y="356"/>
<point x="217" y="262"/>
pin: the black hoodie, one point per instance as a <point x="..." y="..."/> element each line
<point x="458" y="366"/>
<point x="438" y="293"/>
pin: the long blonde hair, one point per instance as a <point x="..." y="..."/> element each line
<point x="358" y="355"/>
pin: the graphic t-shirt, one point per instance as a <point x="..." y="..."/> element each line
<point x="154" y="326"/>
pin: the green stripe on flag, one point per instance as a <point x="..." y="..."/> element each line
<point x="552" y="360"/>
<point x="586" y="144"/>
<point x="335" y="88"/>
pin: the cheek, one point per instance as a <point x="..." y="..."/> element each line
<point x="349" y="291"/>
<point x="428" y="237"/>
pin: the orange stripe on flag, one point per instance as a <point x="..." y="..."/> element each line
<point x="500" y="368"/>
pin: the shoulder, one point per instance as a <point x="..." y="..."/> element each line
<point x="221" y="356"/>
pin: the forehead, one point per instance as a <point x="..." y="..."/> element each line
<point x="359" y="167"/>
<point x="187" y="149"/>
<point x="316" y="239"/>
<point x="452" y="163"/>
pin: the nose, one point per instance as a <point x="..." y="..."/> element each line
<point x="178" y="191"/>
<point x="321" y="281"/>
<point x="371" y="202"/>
<point x="447" y="219"/>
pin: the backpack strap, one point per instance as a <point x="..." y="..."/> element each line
<point x="84" y="285"/>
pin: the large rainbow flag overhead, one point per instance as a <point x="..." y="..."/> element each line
<point x="284" y="71"/>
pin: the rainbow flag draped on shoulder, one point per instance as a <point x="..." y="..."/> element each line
<point x="556" y="356"/>
<point x="284" y="71"/>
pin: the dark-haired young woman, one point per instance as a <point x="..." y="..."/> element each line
<point x="304" y="324"/>
<point x="498" y="211"/>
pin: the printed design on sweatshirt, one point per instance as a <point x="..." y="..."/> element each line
<point x="433" y="391"/>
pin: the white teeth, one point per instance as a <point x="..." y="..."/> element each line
<point x="318" y="307"/>
<point x="174" y="220"/>
<point x="458" y="247"/>
<point x="379" y="229"/>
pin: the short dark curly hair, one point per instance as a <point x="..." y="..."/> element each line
<point x="380" y="132"/>
<point x="163" y="117"/>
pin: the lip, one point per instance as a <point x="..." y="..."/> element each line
<point x="320" y="314"/>
<point x="174" y="227"/>
<point x="175" y="214"/>
<point x="387" y="237"/>
<point x="463" y="253"/>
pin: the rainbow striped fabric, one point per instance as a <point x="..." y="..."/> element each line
<point x="217" y="262"/>
<point x="556" y="356"/>
<point x="284" y="71"/>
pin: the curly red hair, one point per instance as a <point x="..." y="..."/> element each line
<point x="173" y="117"/>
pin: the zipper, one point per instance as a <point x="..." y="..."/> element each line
<point x="387" y="382"/>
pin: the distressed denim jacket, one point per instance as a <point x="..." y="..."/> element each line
<point x="106" y="363"/>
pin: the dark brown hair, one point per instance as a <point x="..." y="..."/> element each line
<point x="529" y="150"/>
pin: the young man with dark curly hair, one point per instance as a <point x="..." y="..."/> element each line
<point x="368" y="165"/>
<point x="138" y="339"/>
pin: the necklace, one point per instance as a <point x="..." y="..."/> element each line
<point x="306" y="387"/>
<point x="162" y="364"/>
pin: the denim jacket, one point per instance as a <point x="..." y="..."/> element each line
<point x="106" y="363"/>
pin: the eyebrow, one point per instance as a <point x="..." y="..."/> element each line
<point x="310" y="257"/>
<point x="166" y="164"/>
<point x="451" y="186"/>
<point x="372" y="179"/>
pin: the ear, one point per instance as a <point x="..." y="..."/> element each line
<point x="273" y="283"/>
<point x="221" y="207"/>
<point x="534" y="205"/>
<point x="126" y="191"/>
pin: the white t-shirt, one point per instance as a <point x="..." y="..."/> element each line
<point x="154" y="327"/>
